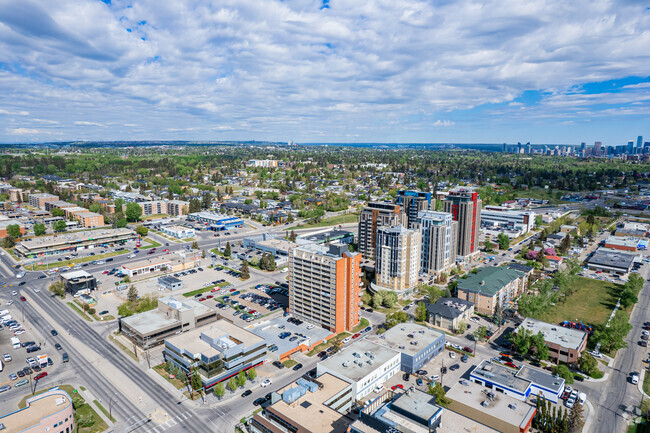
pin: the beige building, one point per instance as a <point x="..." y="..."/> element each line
<point x="50" y="411"/>
<point x="397" y="259"/>
<point x="39" y="200"/>
<point x="492" y="286"/>
<point x="372" y="217"/>
<point x="90" y="219"/>
<point x="449" y="313"/>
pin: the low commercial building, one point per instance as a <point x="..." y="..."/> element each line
<point x="308" y="338"/>
<point x="216" y="352"/>
<point x="146" y="266"/>
<point x="39" y="200"/>
<point x="365" y="365"/>
<point x="216" y="221"/>
<point x="59" y="204"/>
<point x="491" y="408"/>
<point x="492" y="286"/>
<point x="307" y="406"/>
<point x="178" y="232"/>
<point x="71" y="212"/>
<point x="449" y="313"/>
<point x="325" y="236"/>
<point x="170" y="283"/>
<point x="74" y="281"/>
<point x="622" y="243"/>
<point x="50" y="411"/>
<point x="564" y="344"/>
<point x="504" y="218"/>
<point x="74" y="241"/>
<point x="610" y="261"/>
<point x="172" y="317"/>
<point x="638" y="230"/>
<point x="410" y="410"/>
<point x="518" y="383"/>
<point x="4" y="224"/>
<point x="417" y="344"/>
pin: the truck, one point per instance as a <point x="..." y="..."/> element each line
<point x="42" y="360"/>
<point x="15" y="342"/>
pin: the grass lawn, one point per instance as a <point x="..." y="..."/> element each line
<point x="363" y="324"/>
<point x="205" y="289"/>
<point x="152" y="244"/>
<point x="323" y="346"/>
<point x="335" y="220"/>
<point x="160" y="369"/>
<point x="103" y="409"/>
<point x="646" y="383"/>
<point x="153" y="217"/>
<point x="542" y="194"/>
<point x="289" y="363"/>
<point x="592" y="303"/>
<point x="64" y="263"/>
<point x="80" y="311"/>
<point x="82" y="409"/>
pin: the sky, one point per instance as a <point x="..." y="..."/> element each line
<point x="463" y="71"/>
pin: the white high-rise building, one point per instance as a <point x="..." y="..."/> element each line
<point x="397" y="259"/>
<point x="439" y="234"/>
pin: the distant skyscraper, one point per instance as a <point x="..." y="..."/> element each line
<point x="413" y="202"/>
<point x="630" y="147"/>
<point x="505" y="147"/>
<point x="597" y="148"/>
<point x="639" y="141"/>
<point x="397" y="259"/>
<point x="583" y="148"/>
<point x="439" y="237"/>
<point x="373" y="216"/>
<point x="465" y="206"/>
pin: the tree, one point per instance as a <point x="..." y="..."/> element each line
<point x="439" y="393"/>
<point x="241" y="379"/>
<point x="541" y="349"/>
<point x="271" y="266"/>
<point x="39" y="229"/>
<point x="504" y="241"/>
<point x="245" y="272"/>
<point x="521" y="340"/>
<point x="219" y="390"/>
<point x="203" y="254"/>
<point x="141" y="230"/>
<point x="120" y="223"/>
<point x="232" y="384"/>
<point x="56" y="212"/>
<point x="538" y="220"/>
<point x="264" y="262"/>
<point x="227" y="252"/>
<point x="290" y="218"/>
<point x="421" y="312"/>
<point x="59" y="226"/>
<point x="195" y="205"/>
<point x="9" y="242"/>
<point x="377" y="300"/>
<point x="576" y="420"/>
<point x="251" y="373"/>
<point x="206" y="203"/>
<point x="133" y="212"/>
<point x="488" y="246"/>
<point x="196" y="381"/>
<point x="58" y="289"/>
<point x="389" y="298"/>
<point x="612" y="337"/>
<point x="628" y="298"/>
<point x="564" y="372"/>
<point x="119" y="205"/>
<point x="587" y="363"/>
<point x="195" y="245"/>
<point x="462" y="327"/>
<point x="396" y="318"/>
<point x="132" y="294"/>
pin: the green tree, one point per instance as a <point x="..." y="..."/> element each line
<point x="521" y="340"/>
<point x="8" y="242"/>
<point x="421" y="312"/>
<point x="541" y="349"/>
<point x="227" y="252"/>
<point x="56" y="212"/>
<point x="377" y="300"/>
<point x="462" y="327"/>
<point x="271" y="266"/>
<point x="389" y="298"/>
<point x="245" y="272"/>
<point x="232" y="384"/>
<point x="564" y="372"/>
<point x="133" y="212"/>
<point x="219" y="390"/>
<point x="119" y="205"/>
<point x="132" y="294"/>
<point x="612" y="337"/>
<point x="203" y="254"/>
<point x="439" y="393"/>
<point x="58" y="289"/>
<point x="142" y="230"/>
<point x="195" y="245"/>
<point x="538" y="220"/>
<point x="396" y="318"/>
<point x="587" y="363"/>
<point x="59" y="226"/>
<point x="241" y="379"/>
<point x="628" y="298"/>
<point x="264" y="262"/>
<point x="504" y="241"/>
<point x="39" y="229"/>
<point x="251" y="373"/>
<point x="292" y="236"/>
<point x="121" y="223"/>
<point x="488" y="246"/>
<point x="197" y="384"/>
<point x="576" y="419"/>
<point x="13" y="230"/>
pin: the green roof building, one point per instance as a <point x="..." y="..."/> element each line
<point x="492" y="286"/>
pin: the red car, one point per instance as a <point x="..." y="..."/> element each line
<point x="468" y="350"/>
<point x="356" y="335"/>
<point x="399" y="385"/>
<point x="40" y="375"/>
<point x="165" y="250"/>
<point x="105" y="272"/>
<point x="232" y="290"/>
<point x="209" y="297"/>
<point x="22" y="298"/>
<point x="511" y="364"/>
<point x="201" y="299"/>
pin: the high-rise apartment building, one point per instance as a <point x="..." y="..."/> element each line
<point x="373" y="216"/>
<point x="464" y="204"/>
<point x="324" y="286"/>
<point x="598" y="148"/>
<point x="639" y="141"/>
<point x="439" y="234"/>
<point x="412" y="203"/>
<point x="397" y="259"/>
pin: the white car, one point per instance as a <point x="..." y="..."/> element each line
<point x="434" y="378"/>
<point x="13" y="292"/>
<point x="634" y="378"/>
<point x="646" y="332"/>
<point x="311" y="326"/>
<point x="347" y="340"/>
<point x="6" y="357"/>
<point x="452" y="355"/>
<point x="9" y="302"/>
<point x="19" y="332"/>
<point x="266" y="383"/>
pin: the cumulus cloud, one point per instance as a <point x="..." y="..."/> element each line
<point x="25" y="131"/>
<point x="386" y="68"/>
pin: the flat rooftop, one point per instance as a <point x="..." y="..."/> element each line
<point x="418" y="403"/>
<point x="541" y="378"/>
<point x="357" y="352"/>
<point x="556" y="334"/>
<point x="153" y="320"/>
<point x="278" y="244"/>
<point x="322" y="237"/>
<point x="400" y="337"/>
<point x="309" y="411"/>
<point x="503" y="407"/>
<point x="145" y="263"/>
<point x="177" y="228"/>
<point x="191" y="341"/>
<point x="615" y="259"/>
<point x="270" y="331"/>
<point x="520" y="379"/>
<point x="75" y="274"/>
<point x="38" y="407"/>
<point x="622" y="241"/>
<point x="76" y="237"/>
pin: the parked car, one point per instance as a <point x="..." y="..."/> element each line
<point x="247" y="393"/>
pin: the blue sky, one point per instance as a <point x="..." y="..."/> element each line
<point x="497" y="71"/>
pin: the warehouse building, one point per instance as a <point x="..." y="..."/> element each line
<point x="216" y="221"/>
<point x="612" y="262"/>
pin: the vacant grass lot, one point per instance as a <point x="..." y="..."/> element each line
<point x="339" y="219"/>
<point x="592" y="303"/>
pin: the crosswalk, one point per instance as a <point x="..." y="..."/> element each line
<point x="171" y="422"/>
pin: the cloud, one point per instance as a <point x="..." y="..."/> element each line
<point x="14" y="113"/>
<point x="388" y="69"/>
<point x="25" y="131"/>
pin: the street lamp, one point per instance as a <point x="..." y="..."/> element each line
<point x="110" y="407"/>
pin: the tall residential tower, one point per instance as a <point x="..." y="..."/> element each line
<point x="464" y="204"/>
<point x="397" y="259"/>
<point x="439" y="234"/>
<point x="373" y="216"/>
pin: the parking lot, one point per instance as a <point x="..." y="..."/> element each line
<point x="25" y="354"/>
<point x="283" y="335"/>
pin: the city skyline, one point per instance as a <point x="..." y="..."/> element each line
<point x="326" y="71"/>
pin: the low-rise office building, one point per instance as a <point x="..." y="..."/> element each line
<point x="491" y="286"/>
<point x="491" y="408"/>
<point x="216" y="221"/>
<point x="622" y="243"/>
<point x="638" y="230"/>
<point x="417" y="344"/>
<point x="50" y="411"/>
<point x="410" y="410"/>
<point x="170" y="283"/>
<point x="504" y="218"/>
<point x="365" y="365"/>
<point x="74" y="241"/>
<point x="564" y="344"/>
<point x="74" y="281"/>
<point x="39" y="200"/>
<point x="172" y="317"/>
<point x="327" y="236"/>
<point x="217" y="352"/>
<point x="449" y="313"/>
<point x="146" y="266"/>
<point x="269" y="243"/>
<point x="518" y="383"/>
<point x="307" y="406"/>
<point x="178" y="232"/>
<point x="611" y="261"/>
